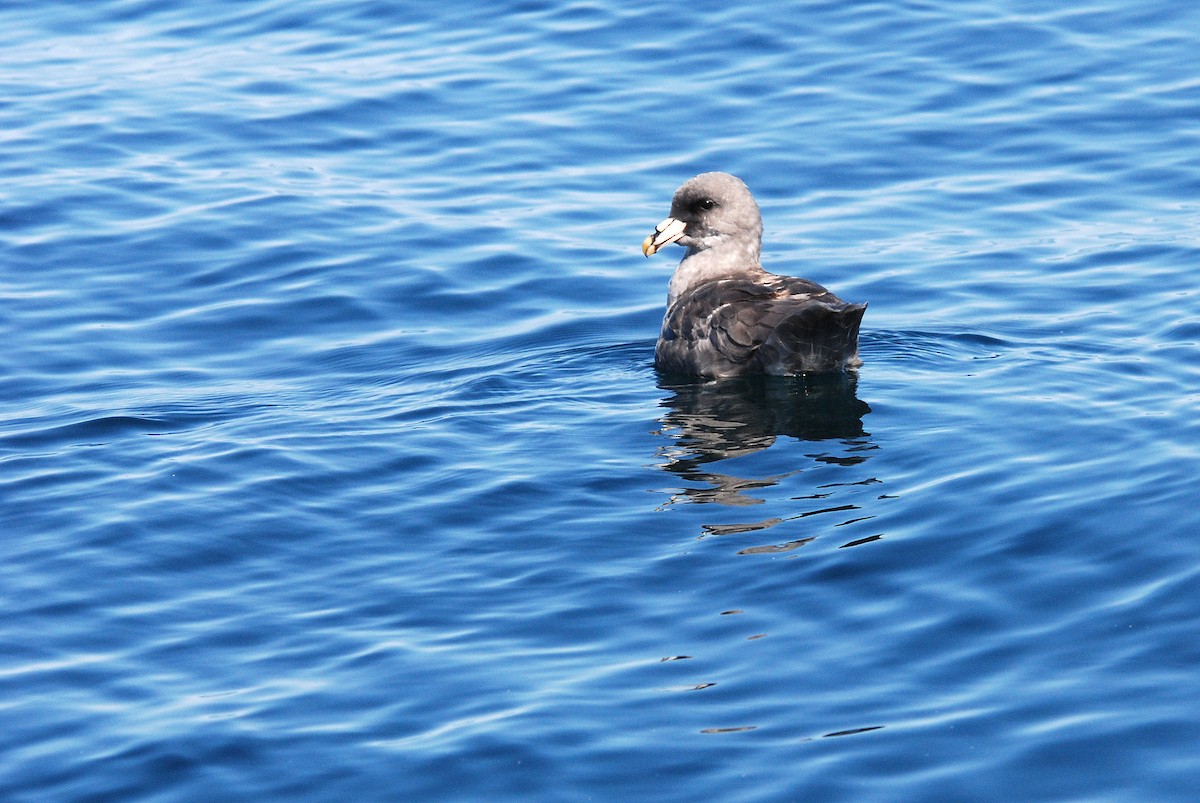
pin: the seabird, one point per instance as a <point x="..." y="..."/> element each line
<point x="726" y="316"/>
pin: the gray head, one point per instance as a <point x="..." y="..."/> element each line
<point x="712" y="210"/>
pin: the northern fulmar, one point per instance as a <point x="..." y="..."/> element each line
<point x="726" y="316"/>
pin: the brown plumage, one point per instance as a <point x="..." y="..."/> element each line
<point x="726" y="316"/>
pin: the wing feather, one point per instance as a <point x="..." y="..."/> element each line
<point x="783" y="325"/>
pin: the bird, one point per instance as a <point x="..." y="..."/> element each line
<point x="726" y="316"/>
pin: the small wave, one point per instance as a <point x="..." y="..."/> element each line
<point x="931" y="348"/>
<point x="108" y="428"/>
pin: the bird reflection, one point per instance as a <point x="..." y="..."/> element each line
<point x="713" y="421"/>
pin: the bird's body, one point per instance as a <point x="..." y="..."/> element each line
<point x="726" y="316"/>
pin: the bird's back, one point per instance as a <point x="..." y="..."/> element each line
<point x="768" y="324"/>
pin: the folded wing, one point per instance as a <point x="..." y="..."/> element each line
<point x="782" y="326"/>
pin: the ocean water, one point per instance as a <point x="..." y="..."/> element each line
<point x="334" y="465"/>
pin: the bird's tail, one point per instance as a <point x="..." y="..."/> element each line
<point x="821" y="338"/>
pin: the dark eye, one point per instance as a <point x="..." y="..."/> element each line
<point x="707" y="203"/>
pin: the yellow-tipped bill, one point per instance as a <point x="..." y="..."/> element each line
<point x="665" y="233"/>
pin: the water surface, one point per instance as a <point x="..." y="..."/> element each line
<point x="334" y="465"/>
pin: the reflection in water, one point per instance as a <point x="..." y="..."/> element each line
<point x="814" y="483"/>
<point x="726" y="418"/>
<point x="708" y="422"/>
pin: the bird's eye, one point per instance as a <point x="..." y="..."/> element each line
<point x="707" y="203"/>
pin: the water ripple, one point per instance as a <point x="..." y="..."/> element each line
<point x="335" y="466"/>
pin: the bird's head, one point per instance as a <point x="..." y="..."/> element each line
<point x="708" y="211"/>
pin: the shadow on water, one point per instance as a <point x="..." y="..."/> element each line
<point x="709" y="422"/>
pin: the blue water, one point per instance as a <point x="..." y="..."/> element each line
<point x="334" y="466"/>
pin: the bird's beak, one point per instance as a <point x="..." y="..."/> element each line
<point x="664" y="234"/>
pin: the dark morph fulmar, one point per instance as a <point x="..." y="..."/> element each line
<point x="726" y="316"/>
